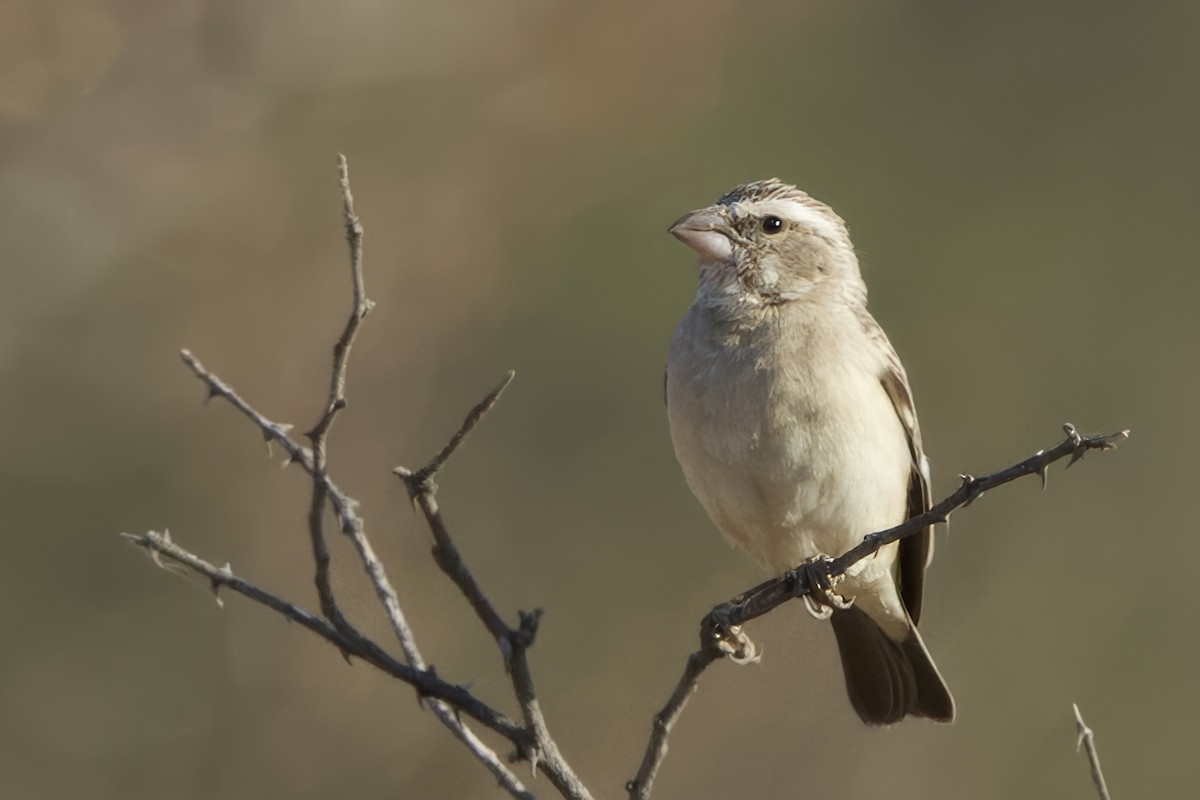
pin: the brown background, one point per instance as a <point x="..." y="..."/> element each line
<point x="1022" y="183"/>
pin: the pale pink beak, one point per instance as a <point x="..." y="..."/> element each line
<point x="707" y="232"/>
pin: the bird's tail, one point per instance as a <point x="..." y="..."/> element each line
<point x="888" y="679"/>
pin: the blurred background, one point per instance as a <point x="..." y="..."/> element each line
<point x="1021" y="179"/>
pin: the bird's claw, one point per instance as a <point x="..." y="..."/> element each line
<point x="819" y="596"/>
<point x="724" y="637"/>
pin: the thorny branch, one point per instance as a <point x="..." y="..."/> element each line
<point x="445" y="700"/>
<point x="318" y="436"/>
<point x="721" y="631"/>
<point x="426" y="681"/>
<point x="542" y="751"/>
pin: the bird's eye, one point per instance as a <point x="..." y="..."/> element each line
<point x="771" y="224"/>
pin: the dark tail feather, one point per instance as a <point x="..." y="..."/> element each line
<point x="933" y="696"/>
<point x="888" y="680"/>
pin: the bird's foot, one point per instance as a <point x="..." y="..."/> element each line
<point x="724" y="637"/>
<point x="813" y="579"/>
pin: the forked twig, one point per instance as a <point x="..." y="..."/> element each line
<point x="319" y="433"/>
<point x="542" y="751"/>
<point x="445" y="700"/>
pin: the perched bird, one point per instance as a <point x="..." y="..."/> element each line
<point x="792" y="418"/>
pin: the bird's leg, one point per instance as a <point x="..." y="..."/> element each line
<point x="817" y="586"/>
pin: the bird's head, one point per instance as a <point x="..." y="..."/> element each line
<point x="766" y="243"/>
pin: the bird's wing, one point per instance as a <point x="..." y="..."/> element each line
<point x="916" y="550"/>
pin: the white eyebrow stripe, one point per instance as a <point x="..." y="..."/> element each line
<point x="804" y="215"/>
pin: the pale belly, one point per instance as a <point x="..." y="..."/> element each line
<point x="788" y="464"/>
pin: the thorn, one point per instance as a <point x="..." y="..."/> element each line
<point x="972" y="484"/>
<point x="1072" y="434"/>
<point x="529" y="626"/>
<point x="506" y="651"/>
<point x="431" y="671"/>
<point x="226" y="571"/>
<point x="1042" y="472"/>
<point x="1080" y="726"/>
<point x="410" y="483"/>
<point x="209" y="393"/>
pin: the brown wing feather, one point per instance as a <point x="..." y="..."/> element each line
<point x="916" y="551"/>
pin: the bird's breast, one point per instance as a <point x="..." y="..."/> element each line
<point x="791" y="444"/>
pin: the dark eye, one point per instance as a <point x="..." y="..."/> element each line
<point x="771" y="224"/>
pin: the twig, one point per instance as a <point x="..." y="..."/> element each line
<point x="542" y="751"/>
<point x="664" y="721"/>
<point x="1088" y="740"/>
<point x="314" y="462"/>
<point x="721" y="632"/>
<point x="425" y="681"/>
<point x="421" y="491"/>
<point x="318" y="436"/>
<point x="773" y="593"/>
<point x="362" y="306"/>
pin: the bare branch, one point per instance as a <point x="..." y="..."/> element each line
<point x="337" y="401"/>
<point x="428" y="472"/>
<point x="721" y="629"/>
<point x="314" y="462"/>
<point x="277" y="432"/>
<point x="1088" y="741"/>
<point x="422" y="491"/>
<point x="542" y="751"/>
<point x="664" y="721"/>
<point x="362" y="306"/>
<point x="425" y="681"/>
<point x="769" y="595"/>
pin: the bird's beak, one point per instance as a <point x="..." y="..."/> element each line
<point x="706" y="231"/>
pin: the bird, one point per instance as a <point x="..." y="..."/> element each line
<point x="794" y="424"/>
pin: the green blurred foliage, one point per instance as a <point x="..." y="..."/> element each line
<point x="1021" y="180"/>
